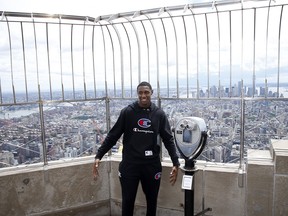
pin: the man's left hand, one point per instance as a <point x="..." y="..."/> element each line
<point x="173" y="175"/>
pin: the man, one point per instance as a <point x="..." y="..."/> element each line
<point x="141" y="123"/>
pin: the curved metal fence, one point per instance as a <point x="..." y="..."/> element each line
<point x="64" y="78"/>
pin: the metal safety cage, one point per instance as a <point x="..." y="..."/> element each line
<point x="223" y="55"/>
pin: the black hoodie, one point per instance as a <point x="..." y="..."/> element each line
<point x="140" y="128"/>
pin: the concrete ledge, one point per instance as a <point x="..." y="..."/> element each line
<point x="280" y="155"/>
<point x="54" y="188"/>
<point x="260" y="183"/>
<point x="222" y="192"/>
<point x="281" y="195"/>
<point x="67" y="188"/>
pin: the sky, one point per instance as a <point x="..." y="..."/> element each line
<point x="93" y="8"/>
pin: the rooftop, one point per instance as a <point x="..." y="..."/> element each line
<point x="65" y="78"/>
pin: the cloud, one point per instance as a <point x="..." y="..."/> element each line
<point x="70" y="63"/>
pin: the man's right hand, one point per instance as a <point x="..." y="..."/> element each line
<point x="95" y="169"/>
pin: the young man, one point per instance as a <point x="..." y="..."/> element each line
<point x="141" y="123"/>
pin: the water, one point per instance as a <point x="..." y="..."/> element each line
<point x="17" y="113"/>
<point x="20" y="113"/>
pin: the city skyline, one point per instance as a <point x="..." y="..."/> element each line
<point x="283" y="88"/>
<point x="76" y="130"/>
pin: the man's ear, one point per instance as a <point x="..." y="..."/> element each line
<point x="151" y="92"/>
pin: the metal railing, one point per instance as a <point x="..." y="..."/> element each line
<point x="225" y="61"/>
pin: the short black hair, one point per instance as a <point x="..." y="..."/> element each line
<point x="144" y="83"/>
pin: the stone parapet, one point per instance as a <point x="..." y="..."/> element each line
<point x="280" y="156"/>
<point x="67" y="188"/>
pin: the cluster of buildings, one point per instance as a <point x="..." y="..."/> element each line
<point x="77" y="129"/>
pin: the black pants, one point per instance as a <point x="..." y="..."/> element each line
<point x="130" y="175"/>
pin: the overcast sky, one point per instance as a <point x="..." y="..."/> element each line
<point x="92" y="8"/>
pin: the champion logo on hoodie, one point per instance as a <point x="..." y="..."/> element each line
<point x="144" y="123"/>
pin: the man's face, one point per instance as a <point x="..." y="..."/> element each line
<point x="144" y="96"/>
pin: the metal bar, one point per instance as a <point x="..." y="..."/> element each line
<point x="157" y="54"/>
<point x="242" y="122"/>
<point x="177" y="63"/>
<point x="108" y="116"/>
<point x="208" y="61"/>
<point x="72" y="62"/>
<point x="242" y="38"/>
<point x="148" y="54"/>
<point x="162" y="98"/>
<point x="11" y="60"/>
<point x="36" y="56"/>
<point x="130" y="59"/>
<point x="113" y="52"/>
<point x="127" y="14"/>
<point x="219" y="53"/>
<point x="42" y="125"/>
<point x="60" y="52"/>
<point x="279" y="53"/>
<point x="189" y="196"/>
<point x="186" y="52"/>
<point x="48" y="58"/>
<point x="45" y="15"/>
<point x="24" y="62"/>
<point x="230" y="28"/>
<point x="83" y="47"/>
<point x="131" y="13"/>
<point x="167" y="66"/>
<point x="121" y="59"/>
<point x="242" y="141"/>
<point x="254" y="56"/>
<point x="197" y="53"/>
<point x="157" y="65"/>
<point x="266" y="52"/>
<point x="139" y="51"/>
<point x="105" y="61"/>
<point x="93" y="60"/>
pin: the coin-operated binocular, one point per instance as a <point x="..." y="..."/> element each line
<point x="190" y="136"/>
